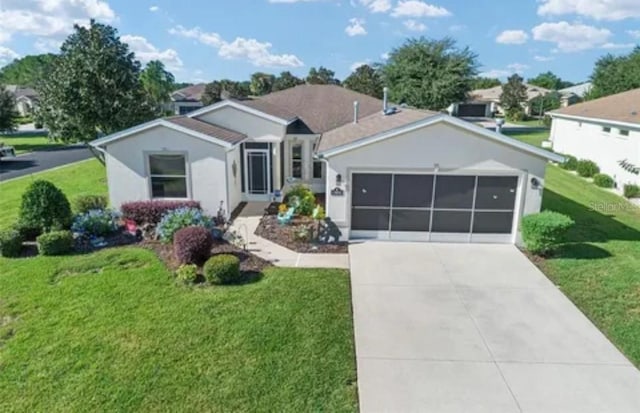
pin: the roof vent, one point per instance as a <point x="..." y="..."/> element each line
<point x="385" y="101"/>
<point x="390" y="111"/>
<point x="355" y="111"/>
<point x="634" y="113"/>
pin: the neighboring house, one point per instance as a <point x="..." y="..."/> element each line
<point x="606" y="131"/>
<point x="574" y="94"/>
<point x="485" y="103"/>
<point x="26" y="99"/>
<point x="398" y="173"/>
<point x="187" y="99"/>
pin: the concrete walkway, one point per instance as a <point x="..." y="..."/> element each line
<point x="245" y="225"/>
<point x="476" y="328"/>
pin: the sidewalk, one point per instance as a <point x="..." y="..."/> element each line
<point x="245" y="225"/>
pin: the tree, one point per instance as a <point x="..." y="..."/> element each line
<point x="158" y="83"/>
<point x="514" y="94"/>
<point x="365" y="79"/>
<point x="322" y="76"/>
<point x="429" y="74"/>
<point x="544" y="103"/>
<point x="484" y="83"/>
<point x="285" y="81"/>
<point x="261" y="83"/>
<point x="224" y="89"/>
<point x="613" y="74"/>
<point x="93" y="87"/>
<point x="27" y="71"/>
<point x="212" y="92"/>
<point x="8" y="113"/>
<point x="549" y="80"/>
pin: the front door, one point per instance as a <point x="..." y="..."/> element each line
<point x="257" y="167"/>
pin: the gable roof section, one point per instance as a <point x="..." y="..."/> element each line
<point x="192" y="127"/>
<point x="322" y="107"/>
<point x="442" y="118"/>
<point x="493" y="94"/>
<point x="191" y="93"/>
<point x="265" y="111"/>
<point x="620" y="108"/>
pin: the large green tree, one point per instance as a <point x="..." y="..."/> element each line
<point x="484" y="82"/>
<point x="157" y="83"/>
<point x="365" y="79"/>
<point x="514" y="95"/>
<point x="27" y="71"/>
<point x="93" y="87"/>
<point x="285" y="81"/>
<point x="262" y="83"/>
<point x="322" y="76"/>
<point x="549" y="80"/>
<point x="8" y="113"/>
<point x="544" y="103"/>
<point x="224" y="89"/>
<point x="615" y="74"/>
<point x="429" y="74"/>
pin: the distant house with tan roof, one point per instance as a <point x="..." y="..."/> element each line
<point x="187" y="99"/>
<point x="485" y="103"/>
<point x="606" y="131"/>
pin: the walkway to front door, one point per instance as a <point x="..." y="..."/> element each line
<point x="476" y="328"/>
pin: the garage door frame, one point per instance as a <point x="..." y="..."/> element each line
<point x="442" y="237"/>
<point x="462" y="106"/>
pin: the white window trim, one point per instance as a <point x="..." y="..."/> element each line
<point x="292" y="160"/>
<point x="323" y="167"/>
<point x="187" y="176"/>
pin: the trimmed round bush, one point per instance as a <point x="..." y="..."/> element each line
<point x="44" y="208"/>
<point x="10" y="243"/>
<point x="603" y="180"/>
<point x="96" y="223"/>
<point x="631" y="191"/>
<point x="544" y="231"/>
<point x="55" y="243"/>
<point x="570" y="163"/>
<point x="187" y="273"/>
<point x="192" y="245"/>
<point x="177" y="219"/>
<point x="587" y="168"/>
<point x="222" y="269"/>
<point x="86" y="203"/>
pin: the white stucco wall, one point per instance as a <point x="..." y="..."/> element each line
<point x="127" y="170"/>
<point x="453" y="149"/>
<point x="251" y="125"/>
<point x="587" y="140"/>
<point x="234" y="180"/>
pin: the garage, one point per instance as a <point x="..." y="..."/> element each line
<point x="472" y="110"/>
<point x="434" y="207"/>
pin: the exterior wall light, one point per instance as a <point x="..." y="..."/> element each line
<point x="535" y="183"/>
<point x="338" y="180"/>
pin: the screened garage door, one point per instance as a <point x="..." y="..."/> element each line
<point x="464" y="208"/>
<point x="472" y="110"/>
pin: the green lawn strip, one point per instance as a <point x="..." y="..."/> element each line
<point x="599" y="268"/>
<point x="534" y="123"/>
<point x="110" y="331"/>
<point x="82" y="178"/>
<point x="532" y="138"/>
<point x="24" y="144"/>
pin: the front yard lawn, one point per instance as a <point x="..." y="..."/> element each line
<point x="532" y="138"/>
<point x="599" y="269"/>
<point x="83" y="178"/>
<point x="25" y="143"/>
<point x="111" y="331"/>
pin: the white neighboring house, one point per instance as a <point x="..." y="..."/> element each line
<point x="187" y="99"/>
<point x="574" y="94"/>
<point x="606" y="131"/>
<point x="388" y="173"/>
<point x="485" y="103"/>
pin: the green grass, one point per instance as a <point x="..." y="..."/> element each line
<point x="532" y="138"/>
<point x="599" y="269"/>
<point x="82" y="178"/>
<point x="111" y="331"/>
<point x="24" y="144"/>
<point x="534" y="123"/>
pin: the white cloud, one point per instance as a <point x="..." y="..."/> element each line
<point x="210" y="39"/>
<point x="615" y="46"/>
<point x="539" y="58"/>
<point x="512" y="37"/>
<point x="146" y="52"/>
<point x="511" y="69"/>
<point x="154" y="9"/>
<point x="414" y="25"/>
<point x="7" y="55"/>
<point x="571" y="37"/>
<point x="377" y="6"/>
<point x="46" y="45"/>
<point x="384" y="56"/>
<point x="634" y="33"/>
<point x="596" y="9"/>
<point x="517" y="67"/>
<point x="416" y="8"/>
<point x="356" y="27"/>
<point x="257" y="53"/>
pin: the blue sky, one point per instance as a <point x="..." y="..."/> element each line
<point x="203" y="40"/>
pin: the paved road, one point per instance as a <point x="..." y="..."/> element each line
<point x="476" y="328"/>
<point x="41" y="160"/>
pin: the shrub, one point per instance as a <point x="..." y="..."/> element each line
<point x="192" y="245"/>
<point x="187" y="273"/>
<point x="27" y="233"/>
<point x="177" y="219"/>
<point x="10" y="243"/>
<point x="515" y="114"/>
<point x="222" y="269"/>
<point x="544" y="231"/>
<point x="603" y="181"/>
<point x="302" y="197"/>
<point x="547" y="121"/>
<point x="570" y="163"/>
<point x="44" y="208"/>
<point x="586" y="168"/>
<point x="151" y="212"/>
<point x="631" y="191"/>
<point x="86" y="203"/>
<point x="55" y="243"/>
<point x="97" y="223"/>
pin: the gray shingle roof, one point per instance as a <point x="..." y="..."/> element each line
<point x="268" y="108"/>
<point x="622" y="107"/>
<point x="208" y="129"/>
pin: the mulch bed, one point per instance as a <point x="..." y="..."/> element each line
<point x="285" y="235"/>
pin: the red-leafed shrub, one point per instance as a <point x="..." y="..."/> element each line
<point x="151" y="212"/>
<point x="192" y="245"/>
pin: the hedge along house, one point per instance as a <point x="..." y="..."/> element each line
<point x="388" y="173"/>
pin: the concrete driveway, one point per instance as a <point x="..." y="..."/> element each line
<point x="476" y="328"/>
